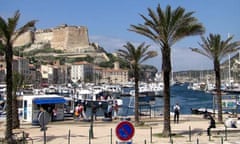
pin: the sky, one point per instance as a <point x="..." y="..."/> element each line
<point x="108" y="23"/>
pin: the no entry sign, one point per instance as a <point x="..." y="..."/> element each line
<point x="125" y="130"/>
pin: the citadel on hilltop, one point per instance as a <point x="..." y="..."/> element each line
<point x="72" y="40"/>
<point x="64" y="37"/>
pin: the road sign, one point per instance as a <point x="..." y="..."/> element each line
<point x="43" y="119"/>
<point x="125" y="130"/>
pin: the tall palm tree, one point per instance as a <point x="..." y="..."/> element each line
<point x="135" y="56"/>
<point x="8" y="34"/>
<point x="17" y="84"/>
<point x="215" y="49"/>
<point x="165" y="28"/>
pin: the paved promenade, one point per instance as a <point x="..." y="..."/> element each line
<point x="58" y="132"/>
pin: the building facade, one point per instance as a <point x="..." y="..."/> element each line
<point x="81" y="72"/>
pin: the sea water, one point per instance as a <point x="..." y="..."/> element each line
<point x="180" y="94"/>
<point x="188" y="99"/>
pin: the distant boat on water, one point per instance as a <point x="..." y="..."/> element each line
<point x="149" y="89"/>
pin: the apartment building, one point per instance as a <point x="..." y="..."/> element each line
<point x="81" y="72"/>
<point x="113" y="76"/>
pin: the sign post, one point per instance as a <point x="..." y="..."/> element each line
<point x="125" y="131"/>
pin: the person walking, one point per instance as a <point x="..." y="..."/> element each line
<point x="176" y="109"/>
<point x="54" y="114"/>
<point x="94" y="111"/>
<point x="76" y="112"/>
<point x="115" y="108"/>
<point x="212" y="125"/>
<point x="43" y="119"/>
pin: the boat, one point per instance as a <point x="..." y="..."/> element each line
<point x="149" y="89"/>
<point x="207" y="110"/>
<point x="98" y="96"/>
<point x="197" y="86"/>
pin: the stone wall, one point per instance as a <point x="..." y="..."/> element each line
<point x="24" y="39"/>
<point x="43" y="36"/>
<point x="59" y="39"/>
<point x="64" y="37"/>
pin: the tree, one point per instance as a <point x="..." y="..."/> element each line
<point x="165" y="28"/>
<point x="215" y="49"/>
<point x="17" y="84"/>
<point x="135" y="57"/>
<point x="8" y="34"/>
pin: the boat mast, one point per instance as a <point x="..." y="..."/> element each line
<point x="229" y="67"/>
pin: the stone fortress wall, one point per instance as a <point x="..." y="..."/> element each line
<point x="64" y="37"/>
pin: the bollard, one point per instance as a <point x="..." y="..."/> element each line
<point x="170" y="134"/>
<point x="89" y="136"/>
<point x="23" y="141"/>
<point x="145" y="142"/>
<point x="197" y="141"/>
<point x="190" y="133"/>
<point x="150" y="134"/>
<point x="44" y="136"/>
<point x="221" y="140"/>
<point x="69" y="134"/>
<point x="111" y="136"/>
<point x="225" y="133"/>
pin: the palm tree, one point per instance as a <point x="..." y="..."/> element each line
<point x="165" y="28"/>
<point x="135" y="56"/>
<point x="8" y="34"/>
<point x="17" y="84"/>
<point x="215" y="49"/>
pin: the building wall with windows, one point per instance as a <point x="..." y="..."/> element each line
<point x="114" y="76"/>
<point x="21" y="66"/>
<point x="81" y="72"/>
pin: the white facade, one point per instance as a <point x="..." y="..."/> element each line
<point x="80" y="71"/>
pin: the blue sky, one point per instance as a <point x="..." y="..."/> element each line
<point x="108" y="22"/>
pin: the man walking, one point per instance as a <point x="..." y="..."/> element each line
<point x="176" y="109"/>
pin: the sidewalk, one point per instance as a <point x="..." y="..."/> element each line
<point x="58" y="132"/>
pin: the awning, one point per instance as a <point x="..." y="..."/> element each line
<point x="51" y="100"/>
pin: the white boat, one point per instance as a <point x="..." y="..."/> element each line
<point x="99" y="96"/>
<point x="199" y="86"/>
<point x="150" y="89"/>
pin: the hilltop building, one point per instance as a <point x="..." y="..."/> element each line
<point x="72" y="40"/>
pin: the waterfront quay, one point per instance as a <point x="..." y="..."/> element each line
<point x="190" y="130"/>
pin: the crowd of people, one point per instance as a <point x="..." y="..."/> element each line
<point x="110" y="112"/>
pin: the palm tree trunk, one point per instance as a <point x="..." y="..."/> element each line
<point x="9" y="57"/>
<point x="15" y="118"/>
<point x="136" y="104"/>
<point x="166" y="67"/>
<point x="218" y="87"/>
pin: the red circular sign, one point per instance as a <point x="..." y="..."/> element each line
<point x="125" y="130"/>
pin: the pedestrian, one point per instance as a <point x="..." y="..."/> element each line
<point x="94" y="111"/>
<point x="43" y="119"/>
<point x="115" y="108"/>
<point x="176" y="109"/>
<point x="81" y="111"/>
<point x="108" y="113"/>
<point x="211" y="125"/>
<point x="76" y="111"/>
<point x="54" y="114"/>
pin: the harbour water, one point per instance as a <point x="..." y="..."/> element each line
<point x="188" y="99"/>
<point x="180" y="94"/>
